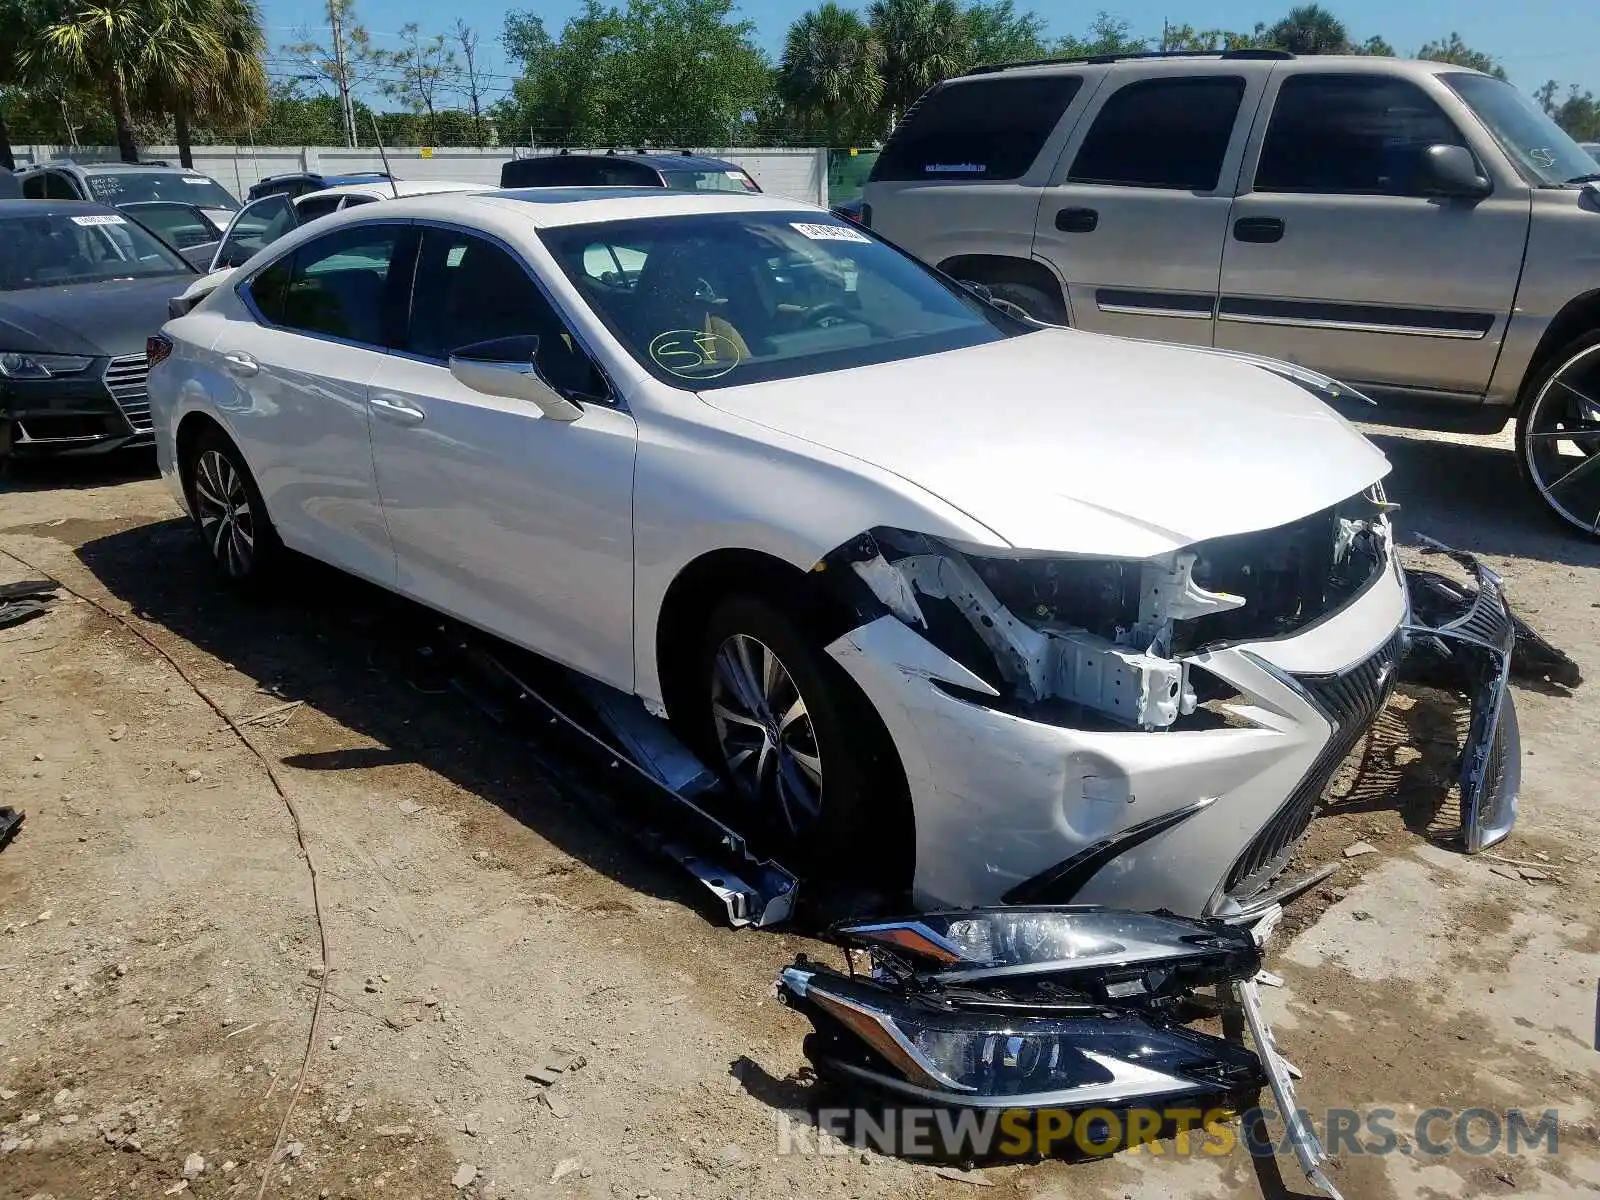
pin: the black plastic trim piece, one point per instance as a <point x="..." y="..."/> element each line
<point x="1060" y="883"/>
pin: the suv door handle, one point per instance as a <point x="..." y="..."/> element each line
<point x="396" y="409"/>
<point x="239" y="363"/>
<point x="1077" y="220"/>
<point x="1258" y="229"/>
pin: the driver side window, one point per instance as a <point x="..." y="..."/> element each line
<point x="470" y="291"/>
<point x="257" y="226"/>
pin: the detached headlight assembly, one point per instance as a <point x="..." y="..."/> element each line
<point x="18" y="365"/>
<point x="1108" y="956"/>
<point x="995" y="1060"/>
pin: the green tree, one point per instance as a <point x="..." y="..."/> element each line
<point x="22" y="72"/>
<point x="345" y="61"/>
<point x="417" y="74"/>
<point x="832" y="72"/>
<point x="998" y="33"/>
<point x="1374" y="46"/>
<point x="662" y="72"/>
<point x="210" y="70"/>
<point x="1310" y="29"/>
<point x="473" y="75"/>
<point x="102" y="41"/>
<point x="1578" y="112"/>
<point x="1107" y="35"/>
<point x="924" y="42"/>
<point x="1455" y="51"/>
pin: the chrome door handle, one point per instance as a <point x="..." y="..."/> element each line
<point x="239" y="363"/>
<point x="397" y="409"/>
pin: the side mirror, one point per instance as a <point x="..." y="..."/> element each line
<point x="509" y="367"/>
<point x="1452" y="171"/>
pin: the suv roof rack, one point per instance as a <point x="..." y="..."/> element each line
<point x="1097" y="59"/>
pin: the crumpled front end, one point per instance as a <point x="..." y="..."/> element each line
<point x="1149" y="734"/>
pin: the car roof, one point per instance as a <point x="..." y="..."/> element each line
<point x="550" y="207"/>
<point x="665" y="161"/>
<point x="44" y="208"/>
<point x="407" y="187"/>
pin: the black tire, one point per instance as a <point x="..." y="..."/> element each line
<point x="1551" y="402"/>
<point x="228" y="512"/>
<point x="861" y="830"/>
<point x="1036" y="302"/>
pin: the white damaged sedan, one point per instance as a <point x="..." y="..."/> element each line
<point x="986" y="610"/>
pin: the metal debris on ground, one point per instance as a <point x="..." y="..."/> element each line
<point x="25" y="600"/>
<point x="10" y="822"/>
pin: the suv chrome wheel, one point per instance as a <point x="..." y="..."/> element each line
<point x="1560" y="440"/>
<point x="222" y="508"/>
<point x="764" y="731"/>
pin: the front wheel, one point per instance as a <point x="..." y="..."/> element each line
<point x="797" y="742"/>
<point x="1558" y="436"/>
<point x="228" y="511"/>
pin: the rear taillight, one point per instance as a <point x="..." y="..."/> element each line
<point x="157" y="347"/>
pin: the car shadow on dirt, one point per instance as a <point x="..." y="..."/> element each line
<point x="56" y="474"/>
<point x="363" y="657"/>
<point x="1472" y="496"/>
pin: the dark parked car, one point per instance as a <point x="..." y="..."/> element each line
<point x="117" y="183"/>
<point x="81" y="288"/>
<point x="9" y="188"/>
<point x="298" y="183"/>
<point x="682" y="172"/>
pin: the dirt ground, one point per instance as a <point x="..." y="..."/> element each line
<point x="159" y="954"/>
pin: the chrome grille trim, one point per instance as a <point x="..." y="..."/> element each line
<point x="125" y="378"/>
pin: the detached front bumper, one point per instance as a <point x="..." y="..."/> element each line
<point x="1194" y="820"/>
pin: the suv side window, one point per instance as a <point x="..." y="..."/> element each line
<point x="989" y="128"/>
<point x="338" y="283"/>
<point x="312" y="207"/>
<point x="469" y="290"/>
<point x="1351" y="134"/>
<point x="1162" y="133"/>
<point x="58" y="187"/>
<point x="33" y="186"/>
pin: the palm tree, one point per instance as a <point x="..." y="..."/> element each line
<point x="1310" y="29"/>
<point x="20" y="62"/>
<point x="99" y="41"/>
<point x="832" y="68"/>
<point x="203" y="61"/>
<point x="924" y="41"/>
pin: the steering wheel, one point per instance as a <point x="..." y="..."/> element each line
<point x="831" y="310"/>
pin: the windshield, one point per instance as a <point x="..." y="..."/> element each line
<point x="709" y="181"/>
<point x="51" y="249"/>
<point x="128" y="187"/>
<point x="721" y="299"/>
<point x="1542" y="151"/>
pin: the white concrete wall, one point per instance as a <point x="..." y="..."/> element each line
<point x="799" y="174"/>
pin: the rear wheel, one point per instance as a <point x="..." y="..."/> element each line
<point x="227" y="510"/>
<point x="801" y="747"/>
<point x="1558" y="435"/>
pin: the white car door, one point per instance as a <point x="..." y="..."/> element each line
<point x="512" y="521"/>
<point x="300" y="350"/>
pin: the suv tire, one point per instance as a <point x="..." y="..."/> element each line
<point x="1565" y="392"/>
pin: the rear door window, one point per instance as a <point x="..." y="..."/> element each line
<point x="338" y="285"/>
<point x="58" y="187"/>
<point x="987" y="128"/>
<point x="1162" y="133"/>
<point x="1351" y="135"/>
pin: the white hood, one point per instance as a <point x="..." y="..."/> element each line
<point x="1072" y="442"/>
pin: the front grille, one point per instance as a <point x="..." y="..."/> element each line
<point x="1350" y="700"/>
<point x="125" y="380"/>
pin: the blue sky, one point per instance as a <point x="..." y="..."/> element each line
<point x="1536" y="39"/>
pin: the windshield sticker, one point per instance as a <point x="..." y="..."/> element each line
<point x="99" y="219"/>
<point x="829" y="233"/>
<point x="694" y="353"/>
<point x="454" y="255"/>
<point x="200" y="179"/>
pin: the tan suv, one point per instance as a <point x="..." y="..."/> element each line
<point x="1420" y="231"/>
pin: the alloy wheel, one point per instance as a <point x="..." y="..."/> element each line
<point x="222" y="506"/>
<point x="1562" y="442"/>
<point x="764" y="731"/>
